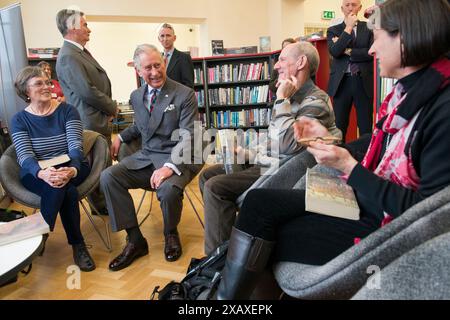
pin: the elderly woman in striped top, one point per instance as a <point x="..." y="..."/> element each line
<point x="44" y="130"/>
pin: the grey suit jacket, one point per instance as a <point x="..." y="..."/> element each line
<point x="175" y="108"/>
<point x="87" y="87"/>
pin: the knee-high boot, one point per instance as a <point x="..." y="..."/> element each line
<point x="246" y="260"/>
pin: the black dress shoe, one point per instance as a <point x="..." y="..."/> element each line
<point x="130" y="253"/>
<point x="82" y="258"/>
<point x="172" y="248"/>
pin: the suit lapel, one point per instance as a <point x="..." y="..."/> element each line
<point x="84" y="55"/>
<point x="143" y="90"/>
<point x="161" y="103"/>
<point x="91" y="60"/>
<point x="359" y="32"/>
<point x="173" y="60"/>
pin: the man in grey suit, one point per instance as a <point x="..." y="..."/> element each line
<point x="161" y="107"/>
<point x="85" y="83"/>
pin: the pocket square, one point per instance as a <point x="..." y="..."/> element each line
<point x="170" y="108"/>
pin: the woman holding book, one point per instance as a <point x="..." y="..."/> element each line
<point x="406" y="161"/>
<point x="47" y="130"/>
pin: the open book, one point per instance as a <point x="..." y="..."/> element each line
<point x="23" y="228"/>
<point x="44" y="164"/>
<point x="330" y="195"/>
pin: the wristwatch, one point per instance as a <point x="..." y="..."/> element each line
<point x="278" y="101"/>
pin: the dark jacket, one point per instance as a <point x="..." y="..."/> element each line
<point x="181" y="69"/>
<point x="359" y="55"/>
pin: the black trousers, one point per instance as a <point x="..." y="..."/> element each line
<point x="309" y="238"/>
<point x="63" y="200"/>
<point x="351" y="90"/>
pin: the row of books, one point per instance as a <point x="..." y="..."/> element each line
<point x="200" y="95"/>
<point x="243" y="118"/>
<point x="43" y="53"/>
<point x="198" y="76"/>
<point x="238" y="95"/>
<point x="239" y="72"/>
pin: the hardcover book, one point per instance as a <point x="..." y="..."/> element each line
<point x="44" y="164"/>
<point x="330" y="195"/>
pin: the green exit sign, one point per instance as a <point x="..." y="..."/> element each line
<point x="328" y="15"/>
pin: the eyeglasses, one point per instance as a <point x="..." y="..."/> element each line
<point x="41" y="84"/>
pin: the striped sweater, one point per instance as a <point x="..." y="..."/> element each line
<point x="41" y="138"/>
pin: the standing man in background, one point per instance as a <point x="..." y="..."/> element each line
<point x="351" y="77"/>
<point x="85" y="83"/>
<point x="179" y="64"/>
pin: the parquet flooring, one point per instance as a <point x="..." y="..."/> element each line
<point x="48" y="278"/>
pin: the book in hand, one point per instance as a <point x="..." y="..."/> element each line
<point x="330" y="195"/>
<point x="44" y="164"/>
<point x="24" y="228"/>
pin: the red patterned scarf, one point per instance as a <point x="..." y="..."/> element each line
<point x="396" y="119"/>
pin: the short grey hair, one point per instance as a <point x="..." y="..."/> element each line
<point x="166" y="26"/>
<point x="66" y="19"/>
<point x="311" y="53"/>
<point x="143" y="48"/>
<point x="25" y="75"/>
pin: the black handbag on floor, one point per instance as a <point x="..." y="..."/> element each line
<point x="7" y="215"/>
<point x="201" y="281"/>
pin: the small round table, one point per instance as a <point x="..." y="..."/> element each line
<point x="15" y="256"/>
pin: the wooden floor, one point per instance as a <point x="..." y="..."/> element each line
<point x="48" y="278"/>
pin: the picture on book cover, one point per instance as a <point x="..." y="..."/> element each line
<point x="330" y="195"/>
<point x="264" y="44"/>
<point x="217" y="47"/>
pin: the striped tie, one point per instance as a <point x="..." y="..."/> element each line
<point x="354" y="68"/>
<point x="152" y="100"/>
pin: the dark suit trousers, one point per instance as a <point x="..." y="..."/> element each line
<point x="351" y="90"/>
<point x="220" y="192"/>
<point x="63" y="200"/>
<point x="115" y="182"/>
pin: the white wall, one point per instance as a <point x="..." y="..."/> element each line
<point x="313" y="10"/>
<point x="114" y="44"/>
<point x="118" y="26"/>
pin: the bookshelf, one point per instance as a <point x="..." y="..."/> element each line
<point x="236" y="90"/>
<point x="199" y="88"/>
<point x="233" y="90"/>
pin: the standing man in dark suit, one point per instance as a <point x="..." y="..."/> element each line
<point x="179" y="64"/>
<point x="85" y="83"/>
<point x="161" y="107"/>
<point x="351" y="77"/>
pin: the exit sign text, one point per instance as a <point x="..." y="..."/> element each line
<point x="328" y="15"/>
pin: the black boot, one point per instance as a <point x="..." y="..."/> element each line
<point x="246" y="260"/>
<point x="82" y="258"/>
